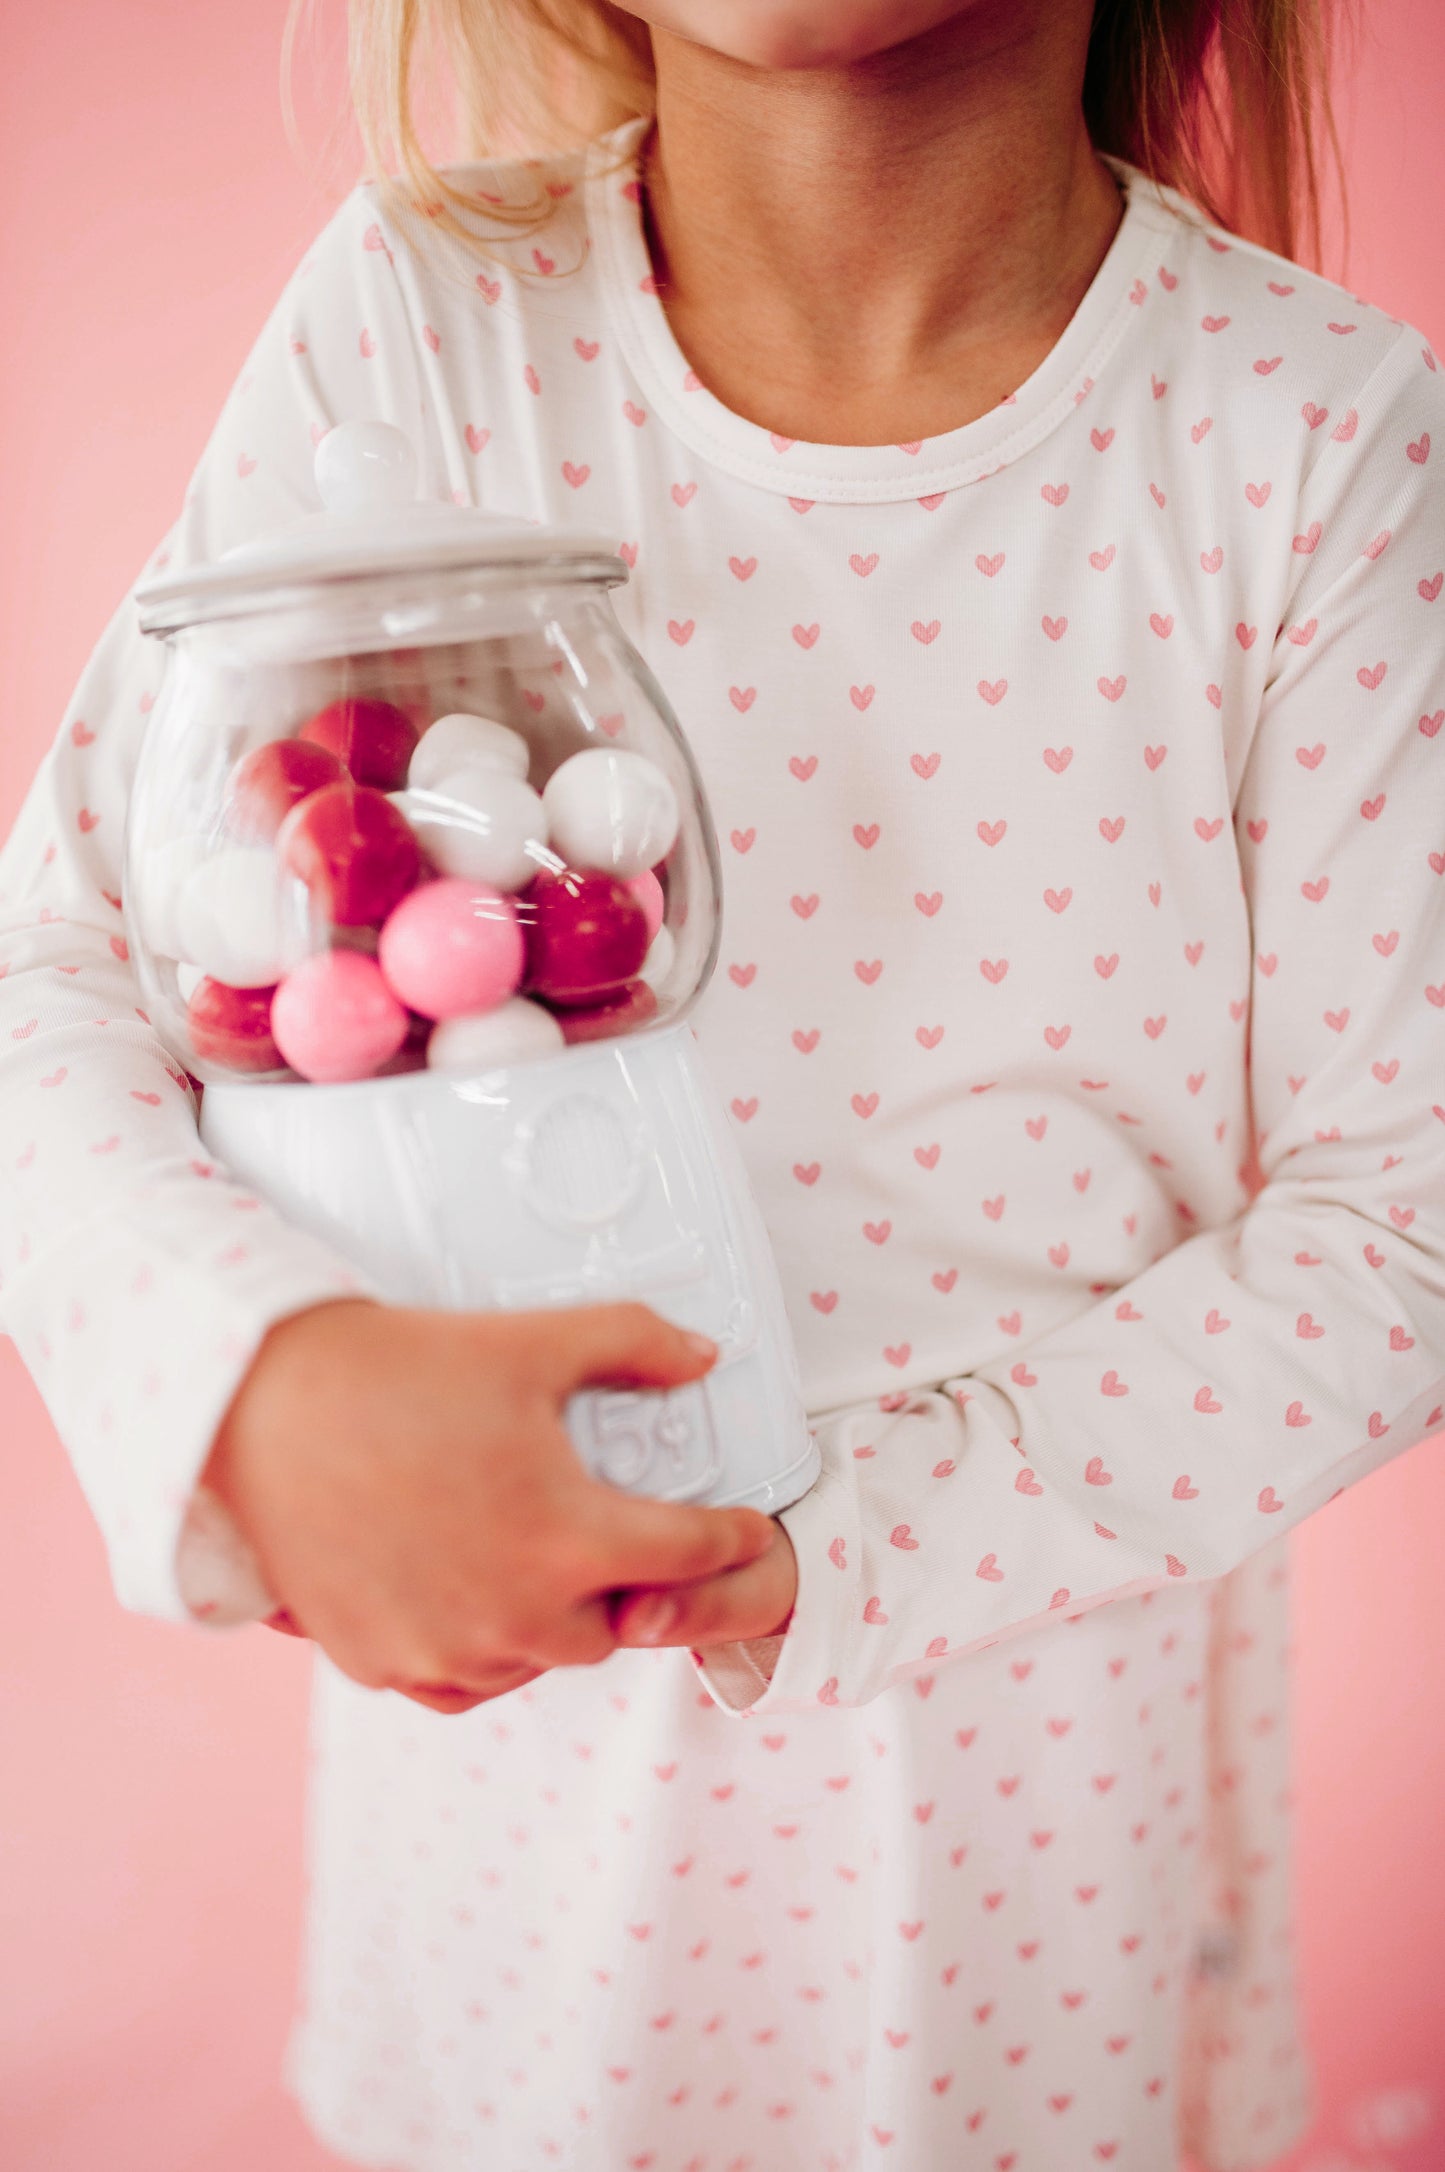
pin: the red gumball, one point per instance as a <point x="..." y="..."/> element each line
<point x="232" y="1026"/>
<point x="632" y="1006"/>
<point x="586" y="936"/>
<point x="269" y="781"/>
<point x="353" y="850"/>
<point x="373" y="739"/>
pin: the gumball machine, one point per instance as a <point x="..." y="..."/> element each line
<point x="421" y="884"/>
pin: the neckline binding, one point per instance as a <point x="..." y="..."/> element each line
<point x="857" y="474"/>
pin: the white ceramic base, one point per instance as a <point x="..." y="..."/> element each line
<point x="608" y="1171"/>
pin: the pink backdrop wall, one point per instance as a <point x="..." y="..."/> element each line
<point x="151" y="1778"/>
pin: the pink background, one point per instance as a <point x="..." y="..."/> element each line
<point x="150" y="1804"/>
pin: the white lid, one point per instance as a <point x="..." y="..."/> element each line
<point x="371" y="523"/>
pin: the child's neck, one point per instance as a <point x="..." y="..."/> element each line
<point x="878" y="253"/>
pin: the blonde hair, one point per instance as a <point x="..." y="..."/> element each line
<point x="1226" y="100"/>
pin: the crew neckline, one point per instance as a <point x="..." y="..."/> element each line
<point x="856" y="474"/>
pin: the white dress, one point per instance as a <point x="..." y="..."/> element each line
<point x="1081" y="782"/>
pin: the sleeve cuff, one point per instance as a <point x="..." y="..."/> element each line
<point x="738" y="1675"/>
<point x="790" y="1673"/>
<point x="217" y="1575"/>
<point x="139" y="1375"/>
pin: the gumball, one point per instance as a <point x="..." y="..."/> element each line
<point x="648" y="891"/>
<point x="658" y="963"/>
<point x="586" y="935"/>
<point x="366" y="940"/>
<point x="372" y="739"/>
<point x="266" y="784"/>
<point x="481" y="823"/>
<point x="242" y="918"/>
<point x="631" y="1007"/>
<point x="159" y="878"/>
<point x="188" y="980"/>
<point x="515" y="1032"/>
<point x="232" y="1026"/>
<point x="354" y="852"/>
<point x="363" y="465"/>
<point x="466" y="742"/>
<point x="610" y="808"/>
<point x="452" y="946"/>
<point x="334" y="1018"/>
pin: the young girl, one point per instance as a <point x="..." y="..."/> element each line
<point x="1049" y="581"/>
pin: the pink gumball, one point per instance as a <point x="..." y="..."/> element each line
<point x="267" y="783"/>
<point x="373" y="739"/>
<point x="354" y="851"/>
<point x="648" y="892"/>
<point x="232" y="1026"/>
<point x="453" y="946"/>
<point x="628" y="1011"/>
<point x="586" y="935"/>
<point x="334" y="1018"/>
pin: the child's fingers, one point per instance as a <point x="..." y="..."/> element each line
<point x="630" y="1539"/>
<point x="753" y="1601"/>
<point x="622" y="1344"/>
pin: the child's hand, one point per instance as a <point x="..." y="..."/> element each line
<point x="755" y="1600"/>
<point x="415" y="1504"/>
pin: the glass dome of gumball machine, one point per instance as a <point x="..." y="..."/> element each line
<point x="421" y="884"/>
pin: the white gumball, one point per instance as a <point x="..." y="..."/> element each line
<point x="188" y="980"/>
<point x="482" y="824"/>
<point x="240" y="920"/>
<point x="515" y="1032"/>
<point x="160" y="877"/>
<point x="611" y="809"/>
<point x="459" y="742"/>
<point x="658" y="963"/>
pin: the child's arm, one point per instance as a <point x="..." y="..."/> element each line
<point x="1247" y="1376"/>
<point x="402" y="1478"/>
<point x="135" y="1279"/>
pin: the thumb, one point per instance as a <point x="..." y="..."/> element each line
<point x="623" y="1345"/>
<point x="634" y="1540"/>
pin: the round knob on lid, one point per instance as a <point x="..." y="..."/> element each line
<point x="362" y="467"/>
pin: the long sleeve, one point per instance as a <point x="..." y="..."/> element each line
<point x="136" y="1278"/>
<point x="1249" y="1374"/>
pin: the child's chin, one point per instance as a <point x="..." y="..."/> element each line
<point x="801" y="35"/>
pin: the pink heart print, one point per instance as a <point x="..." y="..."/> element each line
<point x="914" y="847"/>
